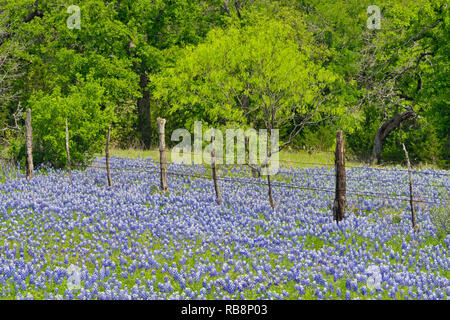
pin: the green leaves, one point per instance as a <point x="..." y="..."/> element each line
<point x="88" y="118"/>
<point x="262" y="64"/>
<point x="253" y="75"/>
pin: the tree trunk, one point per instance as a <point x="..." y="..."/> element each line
<point x="29" y="145"/>
<point x="108" y="168"/>
<point x="69" y="170"/>
<point x="385" y="129"/>
<point x="144" y="114"/>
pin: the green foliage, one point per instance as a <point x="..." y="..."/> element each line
<point x="359" y="140"/>
<point x="420" y="137"/>
<point x="265" y="74"/>
<point x="208" y="60"/>
<point x="404" y="67"/>
<point x="16" y="151"/>
<point x="321" y="138"/>
<point x="88" y="117"/>
<point x="396" y="219"/>
<point x="440" y="216"/>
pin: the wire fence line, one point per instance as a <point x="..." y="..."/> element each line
<point x="327" y="174"/>
<point x="361" y="167"/>
<point x="100" y="164"/>
<point x="257" y="181"/>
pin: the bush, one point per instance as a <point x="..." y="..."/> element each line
<point x="88" y="120"/>
<point x="359" y="142"/>
<point x="419" y="137"/>
<point x="440" y="217"/>
<point x="16" y="151"/>
<point x="320" y="138"/>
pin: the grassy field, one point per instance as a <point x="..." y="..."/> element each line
<point x="295" y="159"/>
<point x="299" y="159"/>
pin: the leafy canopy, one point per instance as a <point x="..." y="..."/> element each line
<point x="268" y="74"/>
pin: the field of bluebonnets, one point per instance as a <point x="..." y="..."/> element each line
<point x="133" y="242"/>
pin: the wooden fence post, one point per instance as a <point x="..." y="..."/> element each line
<point x="162" y="153"/>
<point x="255" y="172"/>
<point x="29" y="145"/>
<point x="214" y="171"/>
<point x="411" y="200"/>
<point x="108" y="168"/>
<point x="69" y="169"/>
<point x="269" y="182"/>
<point x="340" y="201"/>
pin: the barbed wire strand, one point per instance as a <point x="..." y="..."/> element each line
<point x="328" y="175"/>
<point x="283" y="185"/>
<point x="361" y="167"/>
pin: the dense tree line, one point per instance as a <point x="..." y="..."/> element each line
<point x="305" y="67"/>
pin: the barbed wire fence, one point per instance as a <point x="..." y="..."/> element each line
<point x="250" y="180"/>
<point x="357" y="189"/>
<point x="340" y="178"/>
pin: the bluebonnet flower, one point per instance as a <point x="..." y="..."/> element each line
<point x="347" y="295"/>
<point x="126" y="233"/>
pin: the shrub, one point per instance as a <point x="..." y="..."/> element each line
<point x="420" y="139"/>
<point x="88" y="119"/>
<point x="319" y="138"/>
<point x="440" y="216"/>
<point x="359" y="140"/>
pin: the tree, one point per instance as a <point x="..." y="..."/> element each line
<point x="87" y="123"/>
<point x="399" y="64"/>
<point x="124" y="44"/>
<point x="269" y="74"/>
<point x="9" y="72"/>
<point x="157" y="31"/>
<point x="120" y="43"/>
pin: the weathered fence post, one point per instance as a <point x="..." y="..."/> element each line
<point x="29" y="145"/>
<point x="340" y="201"/>
<point x="108" y="168"/>
<point x="269" y="183"/>
<point x="411" y="200"/>
<point x="69" y="169"/>
<point x="162" y="153"/>
<point x="255" y="172"/>
<point x="266" y="165"/>
<point x="214" y="171"/>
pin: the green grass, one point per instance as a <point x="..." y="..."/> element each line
<point x="291" y="158"/>
<point x="299" y="158"/>
<point x="135" y="153"/>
